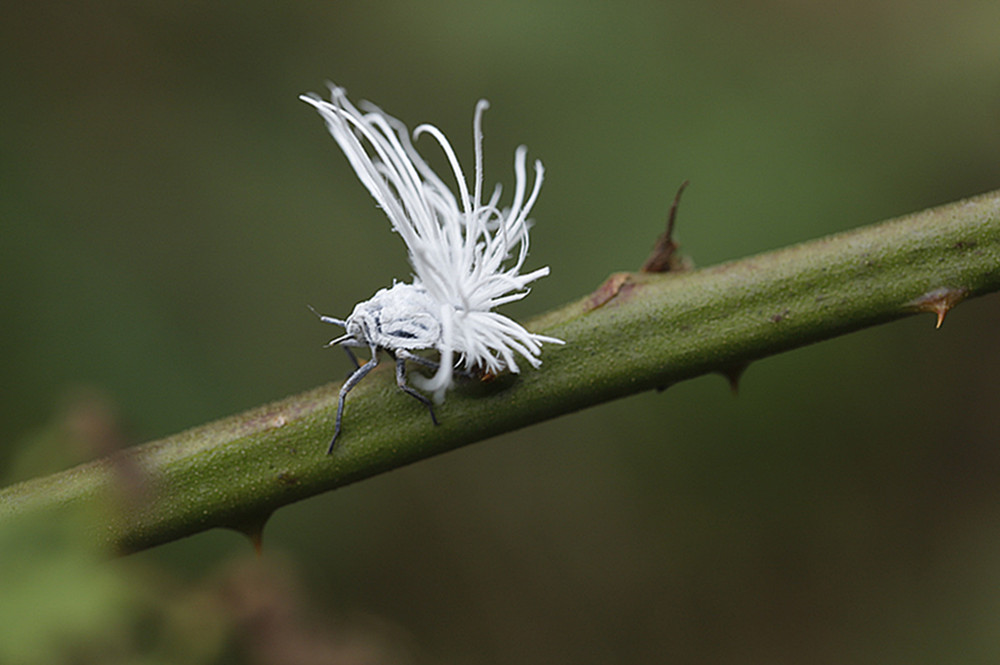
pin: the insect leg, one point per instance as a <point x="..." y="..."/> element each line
<point x="352" y="381"/>
<point x="354" y="358"/>
<point x="401" y="382"/>
<point x="432" y="364"/>
<point x="420" y="360"/>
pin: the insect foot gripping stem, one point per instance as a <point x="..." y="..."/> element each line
<point x="352" y="381"/>
<point x="400" y="357"/>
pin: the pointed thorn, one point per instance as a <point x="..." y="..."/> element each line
<point x="610" y="289"/>
<point x="664" y="257"/>
<point x="672" y="215"/>
<point x="258" y="542"/>
<point x="733" y="374"/>
<point x="939" y="302"/>
<point x="254" y="530"/>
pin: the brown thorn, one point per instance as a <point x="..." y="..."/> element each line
<point x="610" y="289"/>
<point x="663" y="257"/>
<point x="939" y="302"/>
<point x="672" y="216"/>
<point x="254" y="530"/>
<point x="257" y="540"/>
<point x="733" y="374"/>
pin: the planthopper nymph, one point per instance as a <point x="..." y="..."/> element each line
<point x="466" y="255"/>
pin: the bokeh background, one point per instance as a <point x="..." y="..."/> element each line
<point x="168" y="210"/>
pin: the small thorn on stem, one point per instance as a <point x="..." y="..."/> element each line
<point x="664" y="256"/>
<point x="939" y="302"/>
<point x="254" y="530"/>
<point x="257" y="540"/>
<point x="733" y="374"/>
<point x="607" y="291"/>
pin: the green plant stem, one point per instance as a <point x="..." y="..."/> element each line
<point x="636" y="332"/>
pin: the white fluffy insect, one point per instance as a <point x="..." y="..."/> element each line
<point x="466" y="255"/>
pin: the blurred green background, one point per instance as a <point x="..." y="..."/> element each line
<point x="169" y="209"/>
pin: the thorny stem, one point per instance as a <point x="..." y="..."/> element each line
<point x="636" y="332"/>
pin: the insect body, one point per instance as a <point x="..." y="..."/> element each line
<point x="466" y="256"/>
<point x="398" y="318"/>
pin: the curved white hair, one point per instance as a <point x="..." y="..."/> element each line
<point x="466" y="253"/>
